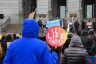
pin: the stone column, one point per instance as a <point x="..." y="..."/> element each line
<point x="74" y="9"/>
<point x="54" y="8"/>
<point x="10" y="8"/>
<point x="49" y="9"/>
<point x="28" y="7"/>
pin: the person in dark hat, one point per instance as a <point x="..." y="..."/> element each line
<point x="75" y="53"/>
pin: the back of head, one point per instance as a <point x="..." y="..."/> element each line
<point x="9" y="38"/>
<point x="30" y="28"/>
<point x="14" y="35"/>
<point x="76" y="42"/>
<point x="69" y="35"/>
<point x="84" y="33"/>
<point x="3" y="38"/>
<point x="75" y="53"/>
<point x="91" y="32"/>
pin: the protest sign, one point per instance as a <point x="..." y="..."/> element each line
<point x="53" y="23"/>
<point x="56" y="36"/>
<point x="31" y="15"/>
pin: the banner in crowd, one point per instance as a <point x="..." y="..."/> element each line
<point x="56" y="36"/>
<point x="53" y="23"/>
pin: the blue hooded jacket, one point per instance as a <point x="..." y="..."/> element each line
<point x="29" y="49"/>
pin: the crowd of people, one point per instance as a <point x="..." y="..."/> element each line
<point x="79" y="48"/>
<point x="5" y="42"/>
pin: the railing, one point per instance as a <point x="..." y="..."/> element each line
<point x="4" y="23"/>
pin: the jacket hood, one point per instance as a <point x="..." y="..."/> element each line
<point x="91" y="32"/>
<point x="84" y="33"/>
<point x="30" y="28"/>
<point x="75" y="42"/>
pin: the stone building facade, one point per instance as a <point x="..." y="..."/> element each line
<point x="17" y="9"/>
<point x="80" y="9"/>
<point x="28" y="6"/>
<point x="11" y="8"/>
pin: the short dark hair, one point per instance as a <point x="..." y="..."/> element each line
<point x="70" y="35"/>
<point x="91" y="32"/>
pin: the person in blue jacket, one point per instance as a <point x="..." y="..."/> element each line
<point x="29" y="49"/>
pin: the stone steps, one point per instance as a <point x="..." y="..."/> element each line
<point x="13" y="28"/>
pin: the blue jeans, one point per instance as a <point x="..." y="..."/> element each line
<point x="92" y="59"/>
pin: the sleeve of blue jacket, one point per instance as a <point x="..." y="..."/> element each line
<point x="50" y="58"/>
<point x="7" y="59"/>
<point x="47" y="57"/>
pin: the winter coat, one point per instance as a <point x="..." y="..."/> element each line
<point x="75" y="53"/>
<point x="91" y="42"/>
<point x="84" y="39"/>
<point x="29" y="49"/>
<point x="92" y="45"/>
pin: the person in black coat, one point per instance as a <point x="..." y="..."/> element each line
<point x="67" y="42"/>
<point x="94" y="25"/>
<point x="92" y="42"/>
<point x="75" y="53"/>
<point x="84" y="39"/>
<point x="15" y="37"/>
<point x="4" y="48"/>
<point x="4" y="44"/>
<point x="76" y="25"/>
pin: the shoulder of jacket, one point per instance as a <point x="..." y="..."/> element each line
<point x="40" y="43"/>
